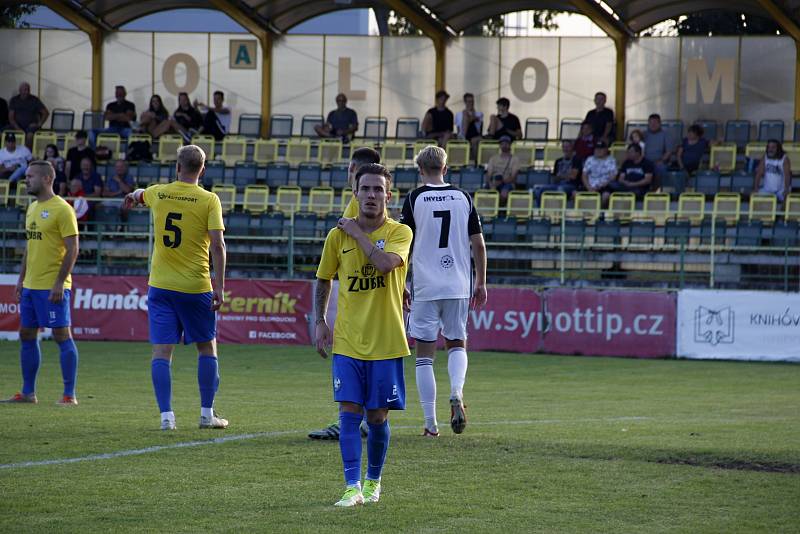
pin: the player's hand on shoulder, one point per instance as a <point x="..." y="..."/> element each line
<point x="479" y="297"/>
<point x="349" y="226"/>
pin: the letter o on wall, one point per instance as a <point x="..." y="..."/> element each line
<point x="517" y="81"/>
<point x="192" y="73"/>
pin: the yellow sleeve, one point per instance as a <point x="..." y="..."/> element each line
<point x="329" y="262"/>
<point x="215" y="214"/>
<point x="399" y="241"/>
<point x="351" y="211"/>
<point x="149" y="194"/>
<point x="67" y="222"/>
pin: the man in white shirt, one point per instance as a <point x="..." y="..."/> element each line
<point x="469" y="122"/>
<point x="13" y="159"/>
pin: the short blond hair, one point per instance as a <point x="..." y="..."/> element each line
<point x="191" y="158"/>
<point x="42" y="168"/>
<point x="431" y="158"/>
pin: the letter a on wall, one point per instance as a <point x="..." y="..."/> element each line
<point x="243" y="54"/>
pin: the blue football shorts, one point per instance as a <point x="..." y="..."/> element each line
<point x="36" y="310"/>
<point x="174" y="313"/>
<point x="373" y="384"/>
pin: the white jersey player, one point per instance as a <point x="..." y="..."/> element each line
<point x="446" y="226"/>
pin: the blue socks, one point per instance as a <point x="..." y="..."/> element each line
<point x="69" y="365"/>
<point x="30" y="358"/>
<point x="377" y="445"/>
<point x="350" y="445"/>
<point x="161" y="372"/>
<point x="207" y="379"/>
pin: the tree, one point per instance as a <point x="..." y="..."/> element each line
<point x="717" y="22"/>
<point x="491" y="27"/>
<point x="10" y="16"/>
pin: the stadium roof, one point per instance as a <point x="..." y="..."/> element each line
<point x="442" y="17"/>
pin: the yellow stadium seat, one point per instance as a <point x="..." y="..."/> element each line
<point x="227" y="196"/>
<point x="344" y="198"/>
<point x="67" y="141"/>
<point x="19" y="135"/>
<point x="487" y="203"/>
<point x="692" y="207"/>
<point x="395" y="203"/>
<point x="234" y="148"/>
<point x="755" y="150"/>
<point x="621" y="206"/>
<point x="457" y="153"/>
<point x="587" y="206"/>
<point x="619" y="153"/>
<point x="723" y="157"/>
<point x="727" y="206"/>
<point x="288" y="199"/>
<point x="330" y="151"/>
<point x="792" y="151"/>
<point x="41" y="139"/>
<point x="763" y="207"/>
<point x="22" y="198"/>
<point x="419" y="144"/>
<point x="265" y="151"/>
<point x="792" y="211"/>
<point x="551" y="153"/>
<point x="298" y="151"/>
<point x="256" y="198"/>
<point x="525" y="152"/>
<point x="168" y="145"/>
<point x="320" y="200"/>
<point x="486" y="149"/>
<point x="4" y="188"/>
<point x="393" y="153"/>
<point x="111" y="141"/>
<point x="206" y="142"/>
<point x="520" y="204"/>
<point x="553" y="205"/>
<point x="657" y="207"/>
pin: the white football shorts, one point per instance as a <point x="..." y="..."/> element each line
<point x="428" y="318"/>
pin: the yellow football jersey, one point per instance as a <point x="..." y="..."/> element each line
<point x="351" y="211"/>
<point x="182" y="216"/>
<point x="46" y="225"/>
<point x="369" y="317"/>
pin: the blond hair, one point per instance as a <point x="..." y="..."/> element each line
<point x="191" y="158"/>
<point x="431" y="158"/>
<point x="43" y="168"/>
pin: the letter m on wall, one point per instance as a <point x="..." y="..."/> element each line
<point x="722" y="80"/>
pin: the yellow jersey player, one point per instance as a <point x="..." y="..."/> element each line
<point x="45" y="282"/>
<point x="368" y="254"/>
<point x="360" y="157"/>
<point x="182" y="300"/>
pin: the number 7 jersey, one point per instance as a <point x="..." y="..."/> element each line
<point x="442" y="218"/>
<point x="182" y="216"/>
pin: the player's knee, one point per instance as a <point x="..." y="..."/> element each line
<point x="377" y="417"/>
<point x="28" y="334"/>
<point x="207" y="348"/>
<point x="350" y="407"/>
<point x="162" y="352"/>
<point x="454" y="343"/>
<point x="61" y="334"/>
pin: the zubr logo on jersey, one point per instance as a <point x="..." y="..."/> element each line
<point x="33" y="233"/>
<point x="365" y="279"/>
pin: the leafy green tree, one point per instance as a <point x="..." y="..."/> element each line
<point x="11" y="16"/>
<point x="717" y="22"/>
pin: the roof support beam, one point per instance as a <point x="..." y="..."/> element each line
<point x="429" y="27"/>
<point x="95" y="33"/>
<point x="264" y="35"/>
<point x="789" y="26"/>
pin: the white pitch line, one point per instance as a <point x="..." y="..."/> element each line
<point x="256" y="435"/>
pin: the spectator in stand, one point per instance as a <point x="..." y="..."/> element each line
<point x="601" y="118"/>
<point x="636" y="137"/>
<point x="502" y="170"/>
<point x="774" y="172"/>
<point x="155" y="121"/>
<point x="118" y="185"/>
<point x="342" y="122"/>
<point x="26" y="112"/>
<point x="567" y="172"/>
<point x="504" y="123"/>
<point x="438" y="121"/>
<point x="92" y="184"/>
<point x="14" y="159"/>
<point x="599" y="171"/>
<point x="60" y="181"/>
<point x="656" y="146"/>
<point x="584" y="144"/>
<point x="119" y="115"/>
<point x="187" y="121"/>
<point x="636" y="174"/>
<point x="469" y="122"/>
<point x="3" y="114"/>
<point x="216" y="120"/>
<point x="78" y="201"/>
<point x="77" y="154"/>
<point x="692" y="149"/>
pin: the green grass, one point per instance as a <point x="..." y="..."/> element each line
<point x="554" y="444"/>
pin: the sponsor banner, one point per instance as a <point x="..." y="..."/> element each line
<point x="115" y="309"/>
<point x="739" y="325"/>
<point x="609" y="323"/>
<point x="511" y="321"/>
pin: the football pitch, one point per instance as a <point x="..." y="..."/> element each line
<point x="553" y="444"/>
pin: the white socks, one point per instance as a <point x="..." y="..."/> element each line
<point x="426" y="386"/>
<point x="457" y="368"/>
<point x="168" y="416"/>
<point x="207" y="412"/>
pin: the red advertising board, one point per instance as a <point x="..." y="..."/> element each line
<point x="511" y="321"/>
<point x="610" y="323"/>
